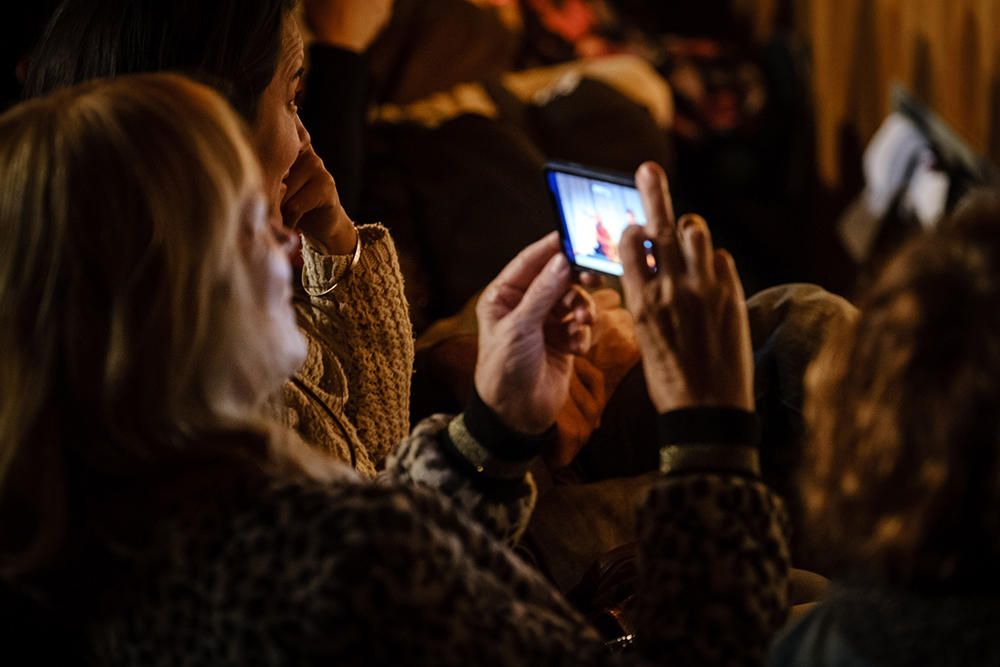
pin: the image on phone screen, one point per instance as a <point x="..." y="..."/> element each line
<point x="594" y="210"/>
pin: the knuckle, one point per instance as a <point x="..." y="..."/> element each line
<point x="293" y="208"/>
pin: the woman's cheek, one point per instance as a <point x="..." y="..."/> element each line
<point x="280" y="311"/>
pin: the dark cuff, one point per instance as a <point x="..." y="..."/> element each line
<point x="487" y="428"/>
<point x="709" y="441"/>
<point x="491" y="448"/>
<point x="709" y="426"/>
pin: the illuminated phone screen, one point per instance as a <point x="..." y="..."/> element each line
<point x="594" y="213"/>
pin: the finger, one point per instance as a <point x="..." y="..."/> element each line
<point x="496" y="301"/>
<point x="696" y="243"/>
<point x="524" y="268"/>
<point x="654" y="189"/>
<point x="578" y="303"/>
<point x="581" y="337"/>
<point x="659" y="207"/>
<point x="728" y="276"/>
<point x="295" y="208"/>
<point x="301" y="171"/>
<point x="569" y="336"/>
<point x="637" y="273"/>
<point x="544" y="293"/>
<point x="591" y="280"/>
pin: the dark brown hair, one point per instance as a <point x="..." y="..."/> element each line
<point x="902" y="484"/>
<point x="232" y="45"/>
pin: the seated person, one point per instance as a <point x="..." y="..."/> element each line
<point x="351" y="396"/>
<point x="902" y="479"/>
<point x="455" y="151"/>
<point x="146" y="503"/>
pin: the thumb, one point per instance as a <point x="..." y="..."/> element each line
<point x="545" y="291"/>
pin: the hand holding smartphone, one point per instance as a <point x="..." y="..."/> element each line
<point x="594" y="209"/>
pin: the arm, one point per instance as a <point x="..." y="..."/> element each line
<point x="363" y="326"/>
<point x="407" y="578"/>
<point x="334" y="111"/>
<point x="713" y="541"/>
<point x="337" y="85"/>
<point x="712" y="538"/>
<point x="394" y="575"/>
<point x="479" y="463"/>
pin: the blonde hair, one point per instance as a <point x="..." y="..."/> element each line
<point x="123" y="295"/>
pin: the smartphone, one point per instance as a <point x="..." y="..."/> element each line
<point x="594" y="208"/>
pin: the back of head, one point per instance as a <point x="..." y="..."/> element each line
<point x="120" y="208"/>
<point x="231" y="44"/>
<point x="904" y="411"/>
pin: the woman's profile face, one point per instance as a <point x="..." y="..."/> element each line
<point x="278" y="135"/>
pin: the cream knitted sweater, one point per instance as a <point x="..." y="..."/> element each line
<point x="351" y="398"/>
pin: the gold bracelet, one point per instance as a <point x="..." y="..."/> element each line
<point x="354" y="262"/>
<point x="706" y="457"/>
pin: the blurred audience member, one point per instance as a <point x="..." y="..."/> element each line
<point x="902" y="479"/>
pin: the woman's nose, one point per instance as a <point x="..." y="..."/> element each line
<point x="304" y="139"/>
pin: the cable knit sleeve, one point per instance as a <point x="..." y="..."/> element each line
<point x="360" y="323"/>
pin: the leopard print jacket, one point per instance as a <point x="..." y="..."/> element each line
<point x="397" y="573"/>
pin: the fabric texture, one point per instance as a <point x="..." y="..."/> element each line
<point x="352" y="573"/>
<point x="351" y="396"/>
<point x="872" y="627"/>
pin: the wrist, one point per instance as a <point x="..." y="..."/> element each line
<point x="512" y="417"/>
<point x="673" y="401"/>
<point x="499" y="435"/>
<point x="708" y="426"/>
<point x="709" y="439"/>
<point x="343" y="241"/>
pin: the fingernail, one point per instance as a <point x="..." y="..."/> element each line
<point x="558" y="264"/>
<point x="646" y="173"/>
<point x="690" y="223"/>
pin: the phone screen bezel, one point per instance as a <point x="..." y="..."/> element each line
<point x="605" y="176"/>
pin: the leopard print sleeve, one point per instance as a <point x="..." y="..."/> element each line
<point x="713" y="541"/>
<point x="502" y="505"/>
<point x="393" y="575"/>
<point x="353" y="573"/>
